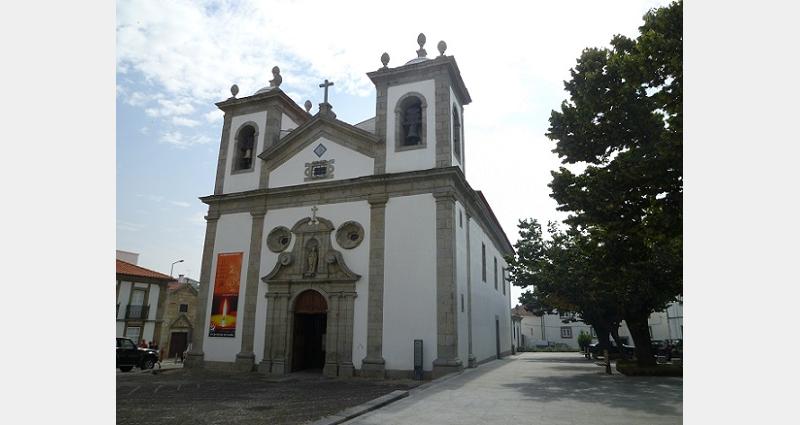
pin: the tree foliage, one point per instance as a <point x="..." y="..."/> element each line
<point x="623" y="121"/>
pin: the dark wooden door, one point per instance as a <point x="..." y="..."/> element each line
<point x="177" y="343"/>
<point x="308" y="350"/>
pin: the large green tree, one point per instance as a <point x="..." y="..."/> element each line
<point x="623" y="122"/>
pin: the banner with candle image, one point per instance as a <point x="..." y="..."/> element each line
<point x="226" y="295"/>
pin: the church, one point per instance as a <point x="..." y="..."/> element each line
<point x="352" y="250"/>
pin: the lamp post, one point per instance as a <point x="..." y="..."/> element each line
<point x="173" y="265"/>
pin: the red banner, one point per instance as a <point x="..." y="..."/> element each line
<point x="226" y="295"/>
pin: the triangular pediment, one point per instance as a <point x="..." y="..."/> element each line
<point x="339" y="132"/>
<point x="181" y="322"/>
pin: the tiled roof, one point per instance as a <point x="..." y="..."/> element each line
<point x="128" y="269"/>
<point x="520" y="311"/>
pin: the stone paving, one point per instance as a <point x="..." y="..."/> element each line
<point x="538" y="388"/>
<point x="212" y="397"/>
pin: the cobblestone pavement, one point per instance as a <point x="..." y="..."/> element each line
<point x="538" y="388"/>
<point x="211" y="397"/>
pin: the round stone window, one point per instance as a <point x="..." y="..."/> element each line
<point x="349" y="235"/>
<point x="278" y="239"/>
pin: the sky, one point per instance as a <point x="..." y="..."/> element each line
<point x="175" y="59"/>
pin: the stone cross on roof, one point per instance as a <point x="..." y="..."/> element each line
<point x="325" y="85"/>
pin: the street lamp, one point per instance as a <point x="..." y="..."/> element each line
<point x="173" y="265"/>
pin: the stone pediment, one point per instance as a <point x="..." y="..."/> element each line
<point x="181" y="322"/>
<point x="339" y="132"/>
<point x="312" y="259"/>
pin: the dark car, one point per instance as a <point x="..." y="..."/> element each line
<point x="613" y="351"/>
<point x="130" y="356"/>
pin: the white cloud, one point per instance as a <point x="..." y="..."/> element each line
<point x="129" y="226"/>
<point x="180" y="204"/>
<point x="214" y="116"/>
<point x="177" y="139"/>
<point x="186" y="122"/>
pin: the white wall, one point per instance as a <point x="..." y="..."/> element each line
<point x="415" y="159"/>
<point x="460" y="224"/>
<point x="409" y="310"/>
<point x="357" y="259"/>
<point x="487" y="302"/>
<point x="233" y="235"/>
<point x="286" y="124"/>
<point x="246" y="180"/>
<point x="348" y="164"/>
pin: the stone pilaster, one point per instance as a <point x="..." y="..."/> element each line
<point x="279" y="358"/>
<point x="332" y="337"/>
<point x="373" y="365"/>
<point x="272" y="135"/>
<point x="223" y="154"/>
<point x="442" y="117"/>
<point x="246" y="358"/>
<point x="381" y="105"/>
<point x="347" y="305"/>
<point x="269" y="334"/>
<point x="447" y="360"/>
<point x="471" y="361"/>
<point x="195" y="356"/>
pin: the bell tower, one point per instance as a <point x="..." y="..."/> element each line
<point x="419" y="112"/>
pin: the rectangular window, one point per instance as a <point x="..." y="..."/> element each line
<point x="483" y="261"/>
<point x="460" y="219"/>
<point x="566" y="332"/>
<point x="495" y="273"/>
<point x="503" y="276"/>
<point x="462" y="303"/>
<point x="184" y="308"/>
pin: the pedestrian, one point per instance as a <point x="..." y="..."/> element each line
<point x="143" y="344"/>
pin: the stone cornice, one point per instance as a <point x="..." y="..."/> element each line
<point x="262" y="101"/>
<point x="385" y="74"/>
<point x="435" y="180"/>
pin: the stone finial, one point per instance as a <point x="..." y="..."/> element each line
<point x="308" y="105"/>
<point x="385" y="59"/>
<point x="421" y="41"/>
<point x="234" y="90"/>
<point x="442" y="46"/>
<point x="276" y="77"/>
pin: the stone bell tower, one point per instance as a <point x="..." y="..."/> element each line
<point x="419" y="112"/>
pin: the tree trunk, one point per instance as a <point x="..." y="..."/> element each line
<point x="603" y="341"/>
<point x="615" y="335"/>
<point x="640" y="332"/>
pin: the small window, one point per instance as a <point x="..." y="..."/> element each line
<point x="483" y="261"/>
<point x="245" y="145"/>
<point x="462" y="303"/>
<point x="495" y="273"/>
<point x="456" y="134"/>
<point x="183" y="308"/>
<point x="503" y="276"/>
<point x="566" y="332"/>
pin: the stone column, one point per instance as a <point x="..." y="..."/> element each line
<point x="381" y="99"/>
<point x="471" y="362"/>
<point x="332" y="337"/>
<point x="246" y="358"/>
<point x="223" y="155"/>
<point x="279" y="351"/>
<point x="346" y="368"/>
<point x="195" y="357"/>
<point x="269" y="334"/>
<point x="373" y="365"/>
<point x="447" y="360"/>
<point x="442" y="118"/>
<point x="272" y="135"/>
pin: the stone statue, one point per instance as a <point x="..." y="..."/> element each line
<point x="313" y="256"/>
<point x="412" y="122"/>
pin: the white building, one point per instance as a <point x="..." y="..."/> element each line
<point x="335" y="246"/>
<point x="550" y="329"/>
<point x="141" y="294"/>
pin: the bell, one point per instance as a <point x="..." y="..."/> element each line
<point x="248" y="154"/>
<point x="412" y="138"/>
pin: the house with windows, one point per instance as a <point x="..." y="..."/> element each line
<point x="351" y="249"/>
<point x="141" y="296"/>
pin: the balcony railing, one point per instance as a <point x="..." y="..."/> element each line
<point x="137" y="311"/>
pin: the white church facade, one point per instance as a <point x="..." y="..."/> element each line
<point x="335" y="247"/>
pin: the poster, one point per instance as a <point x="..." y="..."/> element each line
<point x="226" y="295"/>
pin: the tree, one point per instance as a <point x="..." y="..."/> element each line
<point x="624" y="120"/>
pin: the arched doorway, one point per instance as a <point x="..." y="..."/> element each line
<point x="310" y="321"/>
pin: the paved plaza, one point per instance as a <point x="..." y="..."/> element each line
<point x="194" y="397"/>
<point x="538" y="388"/>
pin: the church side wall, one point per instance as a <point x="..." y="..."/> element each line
<point x="348" y="164"/>
<point x="413" y="159"/>
<point x="409" y="297"/>
<point x="488" y="303"/>
<point x="357" y="259"/>
<point x="233" y="235"/>
<point x="247" y="180"/>
<point x="460" y="221"/>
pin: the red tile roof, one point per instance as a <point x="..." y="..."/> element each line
<point x="129" y="269"/>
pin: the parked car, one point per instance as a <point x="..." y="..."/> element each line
<point x="130" y="356"/>
<point x="668" y="348"/>
<point x="613" y="351"/>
